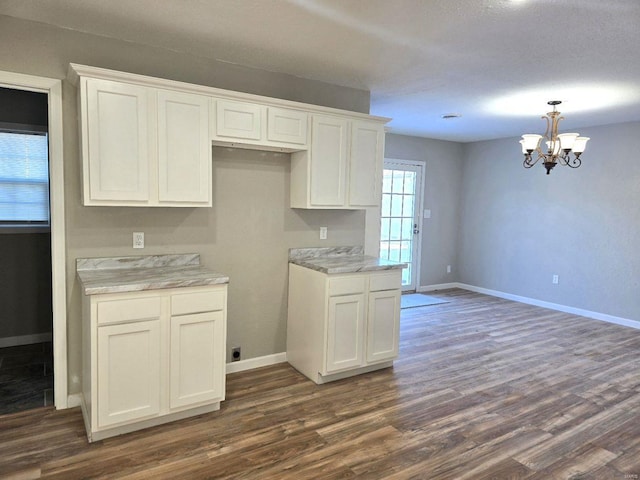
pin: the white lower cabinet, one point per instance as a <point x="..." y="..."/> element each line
<point x="342" y="325"/>
<point x="128" y="372"/>
<point x="152" y="357"/>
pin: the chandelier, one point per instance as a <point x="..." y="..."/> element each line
<point x="558" y="146"/>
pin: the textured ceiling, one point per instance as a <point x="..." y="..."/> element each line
<point x="495" y="62"/>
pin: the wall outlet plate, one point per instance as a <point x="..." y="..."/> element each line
<point x="323" y="233"/>
<point x="138" y="239"/>
<point x="236" y="354"/>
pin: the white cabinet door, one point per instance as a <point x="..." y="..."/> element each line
<point x="328" y="161"/>
<point x="184" y="148"/>
<point x="383" y="325"/>
<point x="365" y="164"/>
<point x="197" y="359"/>
<point x="116" y="150"/>
<point x="287" y="126"/>
<point x="345" y="332"/>
<point x="128" y="370"/>
<point x="238" y="120"/>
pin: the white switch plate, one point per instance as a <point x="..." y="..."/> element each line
<point x="323" y="233"/>
<point x="426" y="214"/>
<point x="555" y="279"/>
<point x="448" y="268"/>
<point x="138" y="239"/>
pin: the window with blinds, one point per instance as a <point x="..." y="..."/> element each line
<point x="24" y="178"/>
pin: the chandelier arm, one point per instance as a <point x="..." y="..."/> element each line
<point x="529" y="161"/>
<point x="573" y="162"/>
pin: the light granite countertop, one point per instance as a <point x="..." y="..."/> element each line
<point x="150" y="272"/>
<point x="333" y="260"/>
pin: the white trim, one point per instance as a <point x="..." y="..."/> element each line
<point x="257" y="362"/>
<point x="625" y="322"/>
<point x="25" y="339"/>
<point x="53" y="88"/>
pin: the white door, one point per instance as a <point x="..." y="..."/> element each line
<point x="184" y="148"/>
<point x="367" y="146"/>
<point x="328" y="161"/>
<point x="117" y="141"/>
<point x="383" y="325"/>
<point x="197" y="358"/>
<point x="128" y="372"/>
<point x="345" y="336"/>
<point x="400" y="217"/>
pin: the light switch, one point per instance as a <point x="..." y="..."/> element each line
<point x="426" y="214"/>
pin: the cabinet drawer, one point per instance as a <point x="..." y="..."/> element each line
<point x="387" y="281"/>
<point x="196" y="302"/>
<point x="128" y="310"/>
<point x="346" y="285"/>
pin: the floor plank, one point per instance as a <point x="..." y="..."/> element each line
<point x="484" y="388"/>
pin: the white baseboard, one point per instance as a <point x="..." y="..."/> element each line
<point x="25" y="339"/>
<point x="257" y="362"/>
<point x="440" y="286"/>
<point x="555" y="306"/>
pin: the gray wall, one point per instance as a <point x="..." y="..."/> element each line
<point x="442" y="195"/>
<point x="519" y="227"/>
<point x="249" y="229"/>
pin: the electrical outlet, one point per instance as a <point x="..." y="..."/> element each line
<point x="448" y="268"/>
<point x="555" y="279"/>
<point x="236" y="354"/>
<point x="323" y="233"/>
<point x="138" y="239"/>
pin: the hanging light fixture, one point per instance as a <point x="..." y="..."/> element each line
<point x="558" y="146"/>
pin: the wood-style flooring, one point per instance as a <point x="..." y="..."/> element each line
<point x="484" y="388"/>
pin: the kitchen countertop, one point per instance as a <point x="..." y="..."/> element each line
<point x="340" y="260"/>
<point x="149" y="272"/>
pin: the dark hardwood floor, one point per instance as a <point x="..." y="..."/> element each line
<point x="484" y="388"/>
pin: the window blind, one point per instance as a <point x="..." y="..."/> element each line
<point x="24" y="178"/>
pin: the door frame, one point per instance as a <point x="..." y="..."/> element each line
<point x="53" y="88"/>
<point x="418" y="207"/>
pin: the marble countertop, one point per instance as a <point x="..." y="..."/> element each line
<point x="150" y="272"/>
<point x="340" y="260"/>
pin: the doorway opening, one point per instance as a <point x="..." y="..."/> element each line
<point x="52" y="88"/>
<point x="400" y="220"/>
<point x="26" y="313"/>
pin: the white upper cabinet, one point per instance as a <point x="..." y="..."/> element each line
<point x="365" y="165"/>
<point x="262" y="127"/>
<point x="144" y="146"/>
<point x="238" y="120"/>
<point x="184" y="149"/>
<point x="147" y="142"/>
<point x="328" y="167"/>
<point x="287" y="126"/>
<point x="115" y="142"/>
<point x="343" y="167"/>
